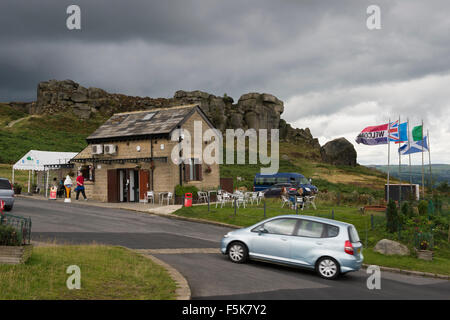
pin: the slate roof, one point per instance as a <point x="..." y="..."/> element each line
<point x="143" y="123"/>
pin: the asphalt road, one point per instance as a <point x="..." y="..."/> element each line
<point x="210" y="275"/>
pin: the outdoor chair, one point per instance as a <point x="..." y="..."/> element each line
<point x="240" y="200"/>
<point x="310" y="201"/>
<point x="168" y="197"/>
<point x="284" y="200"/>
<point x="221" y="200"/>
<point x="202" y="196"/>
<point x="248" y="196"/>
<point x="259" y="197"/>
<point x="151" y="196"/>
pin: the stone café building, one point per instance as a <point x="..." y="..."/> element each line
<point x="130" y="154"/>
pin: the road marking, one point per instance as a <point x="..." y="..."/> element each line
<point x="179" y="251"/>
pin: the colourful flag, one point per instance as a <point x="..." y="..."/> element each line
<point x="399" y="132"/>
<point x="403" y="132"/>
<point x="414" y="147"/>
<point x="417" y="133"/>
<point x="375" y="135"/>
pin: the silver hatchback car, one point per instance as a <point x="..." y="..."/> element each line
<point x="6" y="193"/>
<point x="328" y="246"/>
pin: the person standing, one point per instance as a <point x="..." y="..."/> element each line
<point x="80" y="186"/>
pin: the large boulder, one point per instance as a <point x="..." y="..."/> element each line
<point x="339" y="152"/>
<point x="390" y="247"/>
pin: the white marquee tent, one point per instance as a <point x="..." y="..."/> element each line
<point x="36" y="160"/>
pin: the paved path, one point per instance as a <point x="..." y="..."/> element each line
<point x="190" y="248"/>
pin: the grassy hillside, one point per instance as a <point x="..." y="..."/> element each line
<point x="8" y="114"/>
<point x="59" y="132"/>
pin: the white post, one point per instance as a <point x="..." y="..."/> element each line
<point x="429" y="160"/>
<point x="389" y="156"/>
<point x="423" y="171"/>
<point x="46" y="183"/>
<point x="12" y="175"/>
<point x="399" y="166"/>
<point x="29" y="178"/>
<point x="409" y="154"/>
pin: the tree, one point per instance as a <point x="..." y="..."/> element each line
<point x="443" y="187"/>
<point x="391" y="217"/>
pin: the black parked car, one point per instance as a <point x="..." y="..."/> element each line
<point x="275" y="190"/>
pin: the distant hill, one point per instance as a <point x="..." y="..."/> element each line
<point x="440" y="172"/>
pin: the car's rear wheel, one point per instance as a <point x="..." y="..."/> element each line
<point x="327" y="268"/>
<point x="237" y="252"/>
<point x="8" y="208"/>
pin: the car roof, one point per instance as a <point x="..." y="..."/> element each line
<point x="279" y="174"/>
<point x="313" y="218"/>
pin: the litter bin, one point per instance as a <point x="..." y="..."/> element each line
<point x="188" y="199"/>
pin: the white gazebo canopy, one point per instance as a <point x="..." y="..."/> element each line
<point x="36" y="160"/>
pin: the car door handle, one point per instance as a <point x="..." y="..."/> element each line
<point x="284" y="239"/>
<point x="319" y="243"/>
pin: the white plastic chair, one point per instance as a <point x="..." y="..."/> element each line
<point x="221" y="200"/>
<point x="310" y="201"/>
<point x="151" y="195"/>
<point x="259" y="197"/>
<point x="240" y="200"/>
<point x="168" y="197"/>
<point x="284" y="200"/>
<point x="202" y="196"/>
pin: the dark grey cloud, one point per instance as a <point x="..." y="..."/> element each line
<point x="283" y="47"/>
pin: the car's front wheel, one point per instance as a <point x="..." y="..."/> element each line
<point x="238" y="252"/>
<point x="327" y="268"/>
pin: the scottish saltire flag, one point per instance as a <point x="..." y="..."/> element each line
<point x="375" y="135"/>
<point x="414" y="147"/>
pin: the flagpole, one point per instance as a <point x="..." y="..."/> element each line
<point x="409" y="154"/>
<point x="389" y="156"/>
<point x="423" y="172"/>
<point x="429" y="161"/>
<point x="399" y="166"/>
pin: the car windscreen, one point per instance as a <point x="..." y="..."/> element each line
<point x="304" y="181"/>
<point x="353" y="234"/>
<point x="4" y="184"/>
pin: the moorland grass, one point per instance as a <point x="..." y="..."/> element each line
<point x="106" y="273"/>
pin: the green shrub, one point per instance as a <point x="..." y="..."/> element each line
<point x="181" y="190"/>
<point x="443" y="187"/>
<point x="9" y="236"/>
<point x="391" y="217"/>
<point x="407" y="210"/>
<point x="423" y="208"/>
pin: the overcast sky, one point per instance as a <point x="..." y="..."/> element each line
<point x="334" y="74"/>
